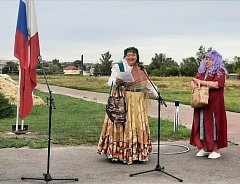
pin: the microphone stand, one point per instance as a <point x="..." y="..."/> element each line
<point x="47" y="176"/>
<point x="160" y="101"/>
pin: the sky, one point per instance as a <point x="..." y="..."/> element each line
<point x="70" y="28"/>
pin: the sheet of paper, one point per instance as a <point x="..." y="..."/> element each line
<point x="126" y="76"/>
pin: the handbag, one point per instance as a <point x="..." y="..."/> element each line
<point x="200" y="95"/>
<point x="116" y="106"/>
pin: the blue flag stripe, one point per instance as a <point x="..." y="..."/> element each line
<point x="22" y="19"/>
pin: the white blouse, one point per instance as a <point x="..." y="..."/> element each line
<point x="115" y="70"/>
<point x="114" y="74"/>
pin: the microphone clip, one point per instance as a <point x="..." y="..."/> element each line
<point x="40" y="59"/>
<point x="141" y="65"/>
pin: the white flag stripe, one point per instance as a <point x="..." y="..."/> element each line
<point x="31" y="17"/>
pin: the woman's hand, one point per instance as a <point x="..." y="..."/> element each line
<point x="195" y="80"/>
<point x="194" y="83"/>
<point x="119" y="81"/>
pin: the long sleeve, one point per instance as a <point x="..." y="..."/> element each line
<point x="151" y="88"/>
<point x="114" y="75"/>
<point x="114" y="72"/>
<point x="153" y="91"/>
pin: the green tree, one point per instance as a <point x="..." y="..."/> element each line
<point x="56" y="66"/>
<point x="106" y="64"/>
<point x="236" y="61"/>
<point x="236" y="66"/>
<point x="77" y="63"/>
<point x="6" y="109"/>
<point x="10" y="67"/>
<point x="6" y="70"/>
<point x="157" y="61"/>
<point x="155" y="72"/>
<point x="172" y="71"/>
<point x="163" y="66"/>
<point x="171" y="67"/>
<point x="45" y="65"/>
<point x="97" y="70"/>
<point x="50" y="67"/>
<point x="56" y="62"/>
<point x="189" y="66"/>
<point x="200" y="55"/>
<point x="229" y="65"/>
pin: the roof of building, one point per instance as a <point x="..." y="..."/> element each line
<point x="71" y="68"/>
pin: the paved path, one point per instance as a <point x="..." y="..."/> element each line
<point x="84" y="163"/>
<point x="185" y="111"/>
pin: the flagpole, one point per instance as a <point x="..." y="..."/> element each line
<point x="22" y="124"/>
<point x="18" y="97"/>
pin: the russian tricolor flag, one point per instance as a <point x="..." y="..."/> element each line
<point x="27" y="50"/>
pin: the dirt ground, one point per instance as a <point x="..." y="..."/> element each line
<point x="9" y="88"/>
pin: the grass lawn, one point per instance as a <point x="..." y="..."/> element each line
<point x="74" y="122"/>
<point x="77" y="122"/>
<point x="171" y="88"/>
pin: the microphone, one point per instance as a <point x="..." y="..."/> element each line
<point x="141" y="65"/>
<point x="40" y="59"/>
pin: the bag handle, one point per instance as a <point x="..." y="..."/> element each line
<point x="196" y="87"/>
<point x="199" y="84"/>
<point x="207" y="83"/>
<point x="110" y="93"/>
<point x="118" y="90"/>
<point x="121" y="68"/>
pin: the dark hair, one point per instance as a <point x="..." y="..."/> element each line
<point x="131" y="49"/>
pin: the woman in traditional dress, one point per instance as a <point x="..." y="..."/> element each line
<point x="130" y="141"/>
<point x="209" y="129"/>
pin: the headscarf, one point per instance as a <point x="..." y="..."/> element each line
<point x="131" y="49"/>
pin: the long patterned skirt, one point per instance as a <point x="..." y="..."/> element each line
<point x="131" y="141"/>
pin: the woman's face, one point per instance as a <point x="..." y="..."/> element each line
<point x="131" y="58"/>
<point x="208" y="62"/>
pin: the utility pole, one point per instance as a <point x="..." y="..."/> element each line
<point x="81" y="64"/>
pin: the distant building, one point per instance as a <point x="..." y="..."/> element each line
<point x="233" y="76"/>
<point x="71" y="70"/>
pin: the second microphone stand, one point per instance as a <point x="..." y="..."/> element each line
<point x="47" y="176"/>
<point x="160" y="101"/>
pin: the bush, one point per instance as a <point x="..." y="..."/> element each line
<point x="155" y="72"/>
<point x="6" y="109"/>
